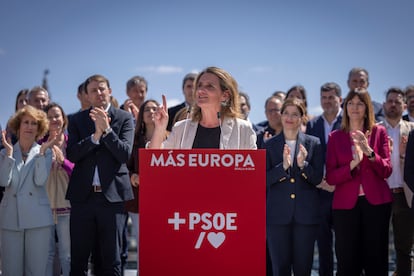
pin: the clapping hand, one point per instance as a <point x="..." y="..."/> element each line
<point x="7" y="143"/>
<point x="301" y="158"/>
<point x="358" y="139"/>
<point x="131" y="108"/>
<point x="58" y="154"/>
<point x="49" y="143"/>
<point x="101" y="120"/>
<point x="287" y="162"/>
<point x="361" y="140"/>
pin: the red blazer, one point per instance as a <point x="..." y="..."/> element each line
<point x="371" y="174"/>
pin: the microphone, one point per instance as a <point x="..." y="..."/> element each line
<point x="185" y="126"/>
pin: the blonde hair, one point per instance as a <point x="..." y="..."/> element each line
<point x="227" y="84"/>
<point x="39" y="115"/>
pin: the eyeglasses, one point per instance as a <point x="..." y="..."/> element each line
<point x="292" y="115"/>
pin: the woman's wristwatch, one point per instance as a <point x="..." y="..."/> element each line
<point x="371" y="155"/>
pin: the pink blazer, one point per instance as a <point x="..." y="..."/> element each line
<point x="371" y="174"/>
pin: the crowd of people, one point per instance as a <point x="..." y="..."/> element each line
<point x="338" y="180"/>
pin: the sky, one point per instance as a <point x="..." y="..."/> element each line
<point x="266" y="45"/>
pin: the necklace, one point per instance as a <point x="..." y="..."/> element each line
<point x="25" y="154"/>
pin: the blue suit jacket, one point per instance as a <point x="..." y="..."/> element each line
<point x="315" y="127"/>
<point x="111" y="156"/>
<point x="25" y="204"/>
<point x="292" y="194"/>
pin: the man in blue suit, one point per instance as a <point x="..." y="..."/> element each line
<point x="321" y="126"/>
<point x="100" y="144"/>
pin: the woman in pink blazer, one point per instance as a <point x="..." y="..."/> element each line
<point x="358" y="163"/>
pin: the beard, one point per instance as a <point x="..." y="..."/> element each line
<point x="393" y="114"/>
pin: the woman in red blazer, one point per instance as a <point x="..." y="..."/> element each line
<point x="358" y="163"/>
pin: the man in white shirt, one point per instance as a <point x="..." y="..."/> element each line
<point x="402" y="217"/>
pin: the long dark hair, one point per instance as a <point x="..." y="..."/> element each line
<point x="363" y="95"/>
<point x="140" y="127"/>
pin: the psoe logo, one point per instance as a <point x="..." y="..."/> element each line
<point x="239" y="161"/>
<point x="212" y="226"/>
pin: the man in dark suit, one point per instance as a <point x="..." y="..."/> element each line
<point x="409" y="97"/>
<point x="188" y="87"/>
<point x="100" y="144"/>
<point x="321" y="126"/>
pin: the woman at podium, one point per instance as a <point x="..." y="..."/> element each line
<point x="212" y="122"/>
<point x="293" y="169"/>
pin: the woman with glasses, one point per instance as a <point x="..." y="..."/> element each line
<point x="294" y="167"/>
<point x="358" y="163"/>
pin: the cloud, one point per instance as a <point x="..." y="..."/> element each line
<point x="161" y="69"/>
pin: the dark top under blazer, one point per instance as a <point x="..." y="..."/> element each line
<point x="304" y="207"/>
<point x="111" y="156"/>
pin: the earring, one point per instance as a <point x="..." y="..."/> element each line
<point x="224" y="103"/>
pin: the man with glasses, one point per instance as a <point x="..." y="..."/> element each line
<point x="273" y="106"/>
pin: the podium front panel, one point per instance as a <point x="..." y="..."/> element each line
<point x="202" y="212"/>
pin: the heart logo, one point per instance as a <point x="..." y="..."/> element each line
<point x="216" y="239"/>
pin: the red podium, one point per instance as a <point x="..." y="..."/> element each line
<point x="202" y="212"/>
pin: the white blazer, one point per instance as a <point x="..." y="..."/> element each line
<point x="25" y="203"/>
<point x="235" y="134"/>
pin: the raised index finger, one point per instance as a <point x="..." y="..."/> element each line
<point x="164" y="102"/>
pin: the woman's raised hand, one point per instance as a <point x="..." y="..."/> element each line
<point x="161" y="115"/>
<point x="7" y="143"/>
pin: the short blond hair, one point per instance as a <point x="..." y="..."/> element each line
<point x="39" y="115"/>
